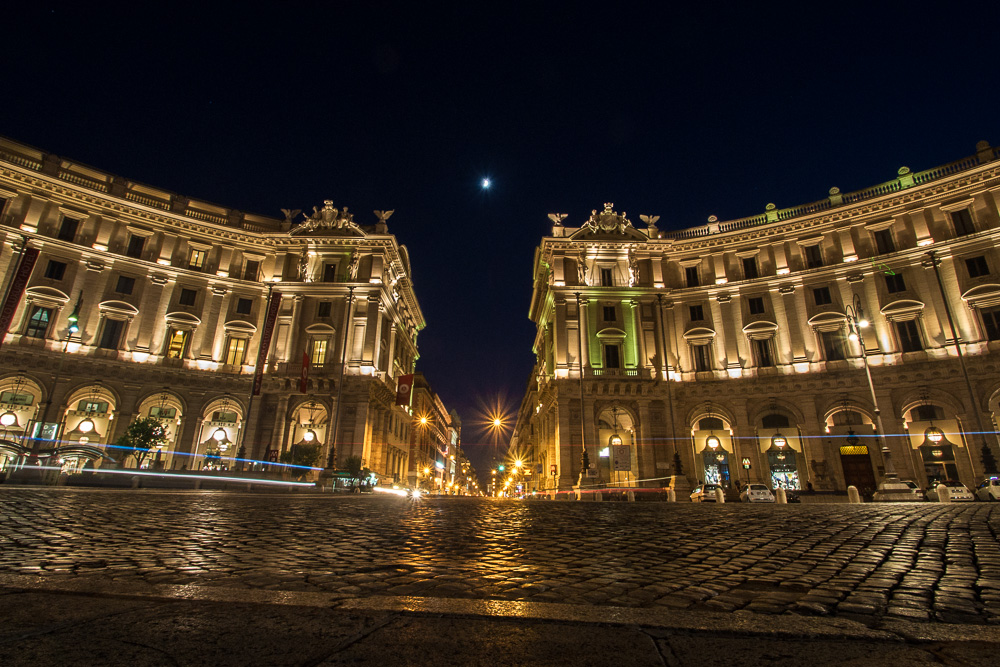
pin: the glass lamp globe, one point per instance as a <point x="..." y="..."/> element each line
<point x="934" y="434"/>
<point x="219" y="435"/>
<point x="309" y="435"/>
<point x="8" y="419"/>
<point x="86" y="426"/>
<point x="712" y="441"/>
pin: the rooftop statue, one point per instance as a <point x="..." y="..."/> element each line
<point x="607" y="221"/>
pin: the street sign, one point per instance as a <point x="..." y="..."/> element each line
<point x="746" y="463"/>
<point x="623" y="458"/>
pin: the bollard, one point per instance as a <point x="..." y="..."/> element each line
<point x="671" y="496"/>
<point x="135" y="481"/>
<point x="943" y="495"/>
<point x="197" y="484"/>
<point x="720" y="497"/>
<point x="780" y="496"/>
<point x="852" y="495"/>
<point x="598" y="496"/>
<point x="631" y="496"/>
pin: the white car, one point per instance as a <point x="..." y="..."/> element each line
<point x="705" y="493"/>
<point x="957" y="491"/>
<point x="989" y="489"/>
<point x="756" y="493"/>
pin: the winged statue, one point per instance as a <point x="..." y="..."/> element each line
<point x="557" y="218"/>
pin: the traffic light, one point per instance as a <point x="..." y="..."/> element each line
<point x="500" y="467"/>
<point x="74" y="317"/>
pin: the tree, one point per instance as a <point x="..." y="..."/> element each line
<point x="303" y="455"/>
<point x="140" y="438"/>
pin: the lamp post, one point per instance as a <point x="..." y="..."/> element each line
<point x="855" y="323"/>
<point x="584" y="458"/>
<point x="73" y="328"/>
<point x="934" y="262"/>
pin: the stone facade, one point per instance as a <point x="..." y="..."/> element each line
<point x="731" y="344"/>
<point x="172" y="296"/>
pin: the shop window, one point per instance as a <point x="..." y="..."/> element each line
<point x="991" y="322"/>
<point x="884" y="243"/>
<point x="55" y="270"/>
<point x="763" y="352"/>
<point x="67" y="229"/>
<point x="909" y="336"/>
<point x="111" y="334"/>
<point x="696" y="312"/>
<point x="187" y="297"/>
<point x="125" y="285"/>
<point x="612" y="356"/>
<point x="756" y="305"/>
<point x="894" y="283"/>
<point x="177" y="344"/>
<point x="135" y="246"/>
<point x="607" y="278"/>
<point x="38" y="323"/>
<point x="236" y="351"/>
<point x="196" y="261"/>
<point x="318" y="354"/>
<point x="750" y="268"/>
<point x="702" y="358"/>
<point x="833" y="345"/>
<point x="251" y="270"/>
<point x="691" y="276"/>
<point x="609" y="313"/>
<point x="323" y="308"/>
<point x="821" y="295"/>
<point x="977" y="266"/>
<point x="813" y="256"/>
<point x="244" y="306"/>
<point x="963" y="222"/>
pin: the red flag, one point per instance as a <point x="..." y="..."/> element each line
<point x="16" y="289"/>
<point x="304" y="377"/>
<point x="404" y="389"/>
<point x="265" y="342"/>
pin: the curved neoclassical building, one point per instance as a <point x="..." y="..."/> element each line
<point x="734" y="344"/>
<point x="172" y="296"/>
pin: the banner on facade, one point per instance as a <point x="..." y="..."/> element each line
<point x="265" y="342"/>
<point x="16" y="290"/>
<point x="304" y="375"/>
<point x="404" y="389"/>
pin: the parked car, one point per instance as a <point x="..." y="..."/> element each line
<point x="989" y="489"/>
<point x="956" y="490"/>
<point x="756" y="493"/>
<point x="898" y="490"/>
<point x="705" y="493"/>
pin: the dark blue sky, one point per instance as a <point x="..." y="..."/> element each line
<point x="681" y="113"/>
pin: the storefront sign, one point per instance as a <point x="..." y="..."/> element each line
<point x="746" y="463"/>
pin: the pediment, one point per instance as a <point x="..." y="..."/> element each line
<point x="611" y="332"/>
<point x="699" y="335"/>
<point x="829" y="321"/>
<point x="240" y="326"/>
<point x="902" y="309"/>
<point x="320" y="328"/>
<point x="119" y="307"/>
<point x="47" y="296"/>
<point x="760" y="330"/>
<point x="983" y="296"/>
<point x="183" y="318"/>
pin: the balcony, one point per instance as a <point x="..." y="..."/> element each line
<point x="636" y="373"/>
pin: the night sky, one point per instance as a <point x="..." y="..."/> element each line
<point x="682" y="113"/>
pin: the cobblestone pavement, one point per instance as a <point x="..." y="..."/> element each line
<point x="923" y="562"/>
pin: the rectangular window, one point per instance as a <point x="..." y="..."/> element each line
<point x="187" y="297"/>
<point x="691" y="276"/>
<point x="756" y="305"/>
<point x="963" y="222"/>
<point x="822" y="296"/>
<point x="244" y="306"/>
<point x="236" y="351"/>
<point x="762" y="353"/>
<point x="909" y="336"/>
<point x="251" y="269"/>
<point x="135" y="245"/>
<point x="813" y="255"/>
<point x="55" y="270"/>
<point x="884" y="243"/>
<point x="991" y="322"/>
<point x="895" y="283"/>
<point x="607" y="278"/>
<point x="38" y="323"/>
<point x="609" y="313"/>
<point x="329" y="273"/>
<point x="318" y="355"/>
<point x="111" y="336"/>
<point x="323" y="308"/>
<point x="162" y="413"/>
<point x="93" y="407"/>
<point x="977" y="266"/>
<point x="833" y="345"/>
<point x="702" y="358"/>
<point x="177" y="344"/>
<point x="67" y="230"/>
<point x="612" y="356"/>
<point x="697" y="314"/>
<point x="750" y="268"/>
<point x="125" y="285"/>
<point x="196" y="261"/>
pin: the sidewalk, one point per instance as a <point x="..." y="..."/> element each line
<point x="48" y="621"/>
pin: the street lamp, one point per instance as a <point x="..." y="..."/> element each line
<point x="856" y="321"/>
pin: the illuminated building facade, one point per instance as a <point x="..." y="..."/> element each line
<point x="172" y="296"/>
<point x="730" y="344"/>
<point x="437" y="462"/>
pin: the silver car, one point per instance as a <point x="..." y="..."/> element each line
<point x="705" y="493"/>
<point x="957" y="491"/>
<point x="756" y="493"/>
